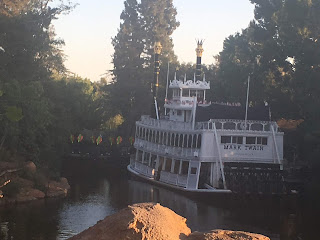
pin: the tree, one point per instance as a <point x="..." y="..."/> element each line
<point x="284" y="38"/>
<point x="142" y="24"/>
<point x="28" y="57"/>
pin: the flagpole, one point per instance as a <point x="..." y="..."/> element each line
<point x="247" y="103"/>
<point x="165" y="110"/>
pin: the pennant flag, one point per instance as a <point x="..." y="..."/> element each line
<point x="119" y="140"/>
<point x="93" y="139"/>
<point x="80" y="137"/>
<point x="72" y="138"/>
<point x="131" y="140"/>
<point x="99" y="140"/>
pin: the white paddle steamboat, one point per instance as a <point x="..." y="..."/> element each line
<point x="207" y="147"/>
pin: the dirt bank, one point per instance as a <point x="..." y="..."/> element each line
<point x="150" y="221"/>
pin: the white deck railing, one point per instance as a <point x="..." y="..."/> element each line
<point x="237" y="125"/>
<point x="144" y="169"/>
<point x="172" y="178"/>
<point x="221" y="124"/>
<point x="164" y="124"/>
<point x="188" y="153"/>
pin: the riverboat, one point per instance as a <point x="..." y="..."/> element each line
<point x="205" y="147"/>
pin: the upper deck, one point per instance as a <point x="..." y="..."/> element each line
<point x="231" y="125"/>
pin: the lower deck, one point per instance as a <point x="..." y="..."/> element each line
<point x="192" y="175"/>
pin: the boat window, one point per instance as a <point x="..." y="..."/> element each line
<point x="193" y="93"/>
<point x="257" y="127"/>
<point x="176" y="92"/>
<point x="262" y="140"/>
<point x="194" y="141"/>
<point x="185" y="92"/>
<point x="193" y="170"/>
<point x="218" y="125"/>
<point x="176" y="140"/>
<point x="153" y="161"/>
<point x="176" y="166"/>
<point x="172" y="140"/>
<point x="199" y="141"/>
<point x="158" y="137"/>
<point x="180" y="140"/>
<point x="147" y="134"/>
<point x="179" y="112"/>
<point x="185" y="167"/>
<point x="229" y="125"/>
<point x="146" y="158"/>
<point x="189" y="141"/>
<point x="225" y="139"/>
<point x="185" y="141"/>
<point x="140" y="132"/>
<point x="250" y="140"/>
<point x="237" y="139"/>
<point x="165" y="137"/>
<point x="151" y="135"/>
<point x="267" y="127"/>
<point x="168" y="164"/>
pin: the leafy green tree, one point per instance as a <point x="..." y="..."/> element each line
<point x="141" y="25"/>
<point x="29" y="54"/>
<point x="281" y="50"/>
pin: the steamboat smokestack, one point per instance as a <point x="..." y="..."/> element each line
<point x="155" y="85"/>
<point x="199" y="51"/>
<point x="157" y="51"/>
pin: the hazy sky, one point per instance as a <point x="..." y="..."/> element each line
<point x="88" y="29"/>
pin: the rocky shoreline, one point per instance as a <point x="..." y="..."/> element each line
<point x="151" y="221"/>
<point x="18" y="184"/>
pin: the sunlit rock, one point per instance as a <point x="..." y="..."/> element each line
<point x="150" y="221"/>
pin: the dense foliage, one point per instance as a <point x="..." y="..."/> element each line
<point x="142" y="24"/>
<point x="280" y="49"/>
<point x="39" y="105"/>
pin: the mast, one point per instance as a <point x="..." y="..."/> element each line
<point x="247" y="103"/>
<point x="165" y="110"/>
<point x="155" y="85"/>
<point x="199" y="51"/>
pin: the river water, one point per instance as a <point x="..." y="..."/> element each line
<point x="92" y="197"/>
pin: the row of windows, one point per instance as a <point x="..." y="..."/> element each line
<point x="240" y="126"/>
<point x="248" y="140"/>
<point x="180" y="167"/>
<point x="188" y="93"/>
<point x="169" y="139"/>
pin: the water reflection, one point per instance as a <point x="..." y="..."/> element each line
<point x="93" y="198"/>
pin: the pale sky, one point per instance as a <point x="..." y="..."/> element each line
<point x="88" y="30"/>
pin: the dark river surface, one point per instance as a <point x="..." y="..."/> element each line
<point x="99" y="192"/>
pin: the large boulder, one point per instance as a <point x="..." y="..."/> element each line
<point x="30" y="167"/>
<point x="58" y="189"/>
<point x="140" y="221"/>
<point x="150" y="221"/>
<point x="29" y="194"/>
